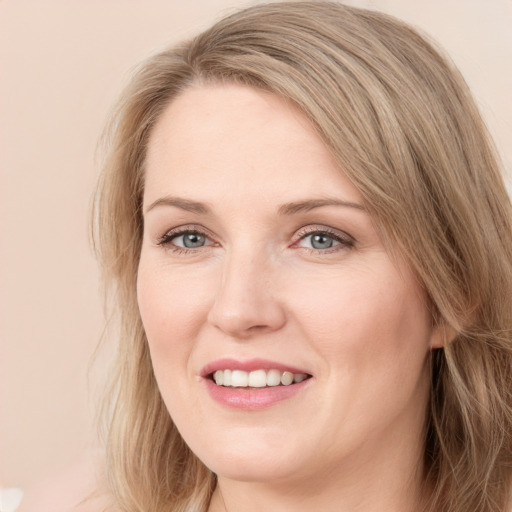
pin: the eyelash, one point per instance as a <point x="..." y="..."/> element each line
<point x="166" y="240"/>
<point x="344" y="240"/>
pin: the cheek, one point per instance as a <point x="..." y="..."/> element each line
<point x="173" y="309"/>
<point x="366" y="318"/>
<point x="372" y="335"/>
<point x="169" y="302"/>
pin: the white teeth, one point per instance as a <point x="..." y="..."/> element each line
<point x="256" y="378"/>
<point x="286" y="378"/>
<point x="218" y="377"/>
<point x="273" y="378"/>
<point x="239" y="379"/>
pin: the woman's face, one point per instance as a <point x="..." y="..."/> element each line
<point x="260" y="265"/>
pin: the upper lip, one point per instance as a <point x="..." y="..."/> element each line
<point x="248" y="365"/>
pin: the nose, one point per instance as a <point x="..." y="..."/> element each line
<point x="246" y="301"/>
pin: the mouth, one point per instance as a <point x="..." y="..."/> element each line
<point x="253" y="385"/>
<point x="259" y="378"/>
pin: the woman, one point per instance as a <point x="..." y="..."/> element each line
<point x="303" y="223"/>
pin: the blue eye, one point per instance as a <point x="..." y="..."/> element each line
<point x="319" y="241"/>
<point x="190" y="240"/>
<point x="187" y="239"/>
<point x="323" y="240"/>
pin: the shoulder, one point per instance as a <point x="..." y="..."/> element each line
<point x="78" y="488"/>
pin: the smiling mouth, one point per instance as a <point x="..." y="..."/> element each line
<point x="256" y="378"/>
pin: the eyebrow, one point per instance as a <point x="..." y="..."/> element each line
<point x="285" y="209"/>
<point x="311" y="204"/>
<point x="178" y="202"/>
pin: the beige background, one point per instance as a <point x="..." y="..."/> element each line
<point x="62" y="63"/>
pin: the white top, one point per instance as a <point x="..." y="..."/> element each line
<point x="10" y="499"/>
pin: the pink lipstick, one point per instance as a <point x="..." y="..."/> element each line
<point x="253" y="384"/>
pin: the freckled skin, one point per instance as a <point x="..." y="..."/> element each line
<point x="258" y="288"/>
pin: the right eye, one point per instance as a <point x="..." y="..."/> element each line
<point x="185" y="240"/>
<point x="190" y="240"/>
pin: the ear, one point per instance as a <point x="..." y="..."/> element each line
<point x="442" y="335"/>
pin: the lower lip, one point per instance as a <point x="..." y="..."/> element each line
<point x="253" y="399"/>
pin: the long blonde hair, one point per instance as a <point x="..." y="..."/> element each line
<point x="400" y="120"/>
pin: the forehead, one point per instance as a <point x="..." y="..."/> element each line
<point x="202" y="110"/>
<point x="239" y="136"/>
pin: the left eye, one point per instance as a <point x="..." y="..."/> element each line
<point x="319" y="240"/>
<point x="190" y="240"/>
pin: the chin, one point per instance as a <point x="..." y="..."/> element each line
<point x="252" y="461"/>
<point x="244" y="470"/>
